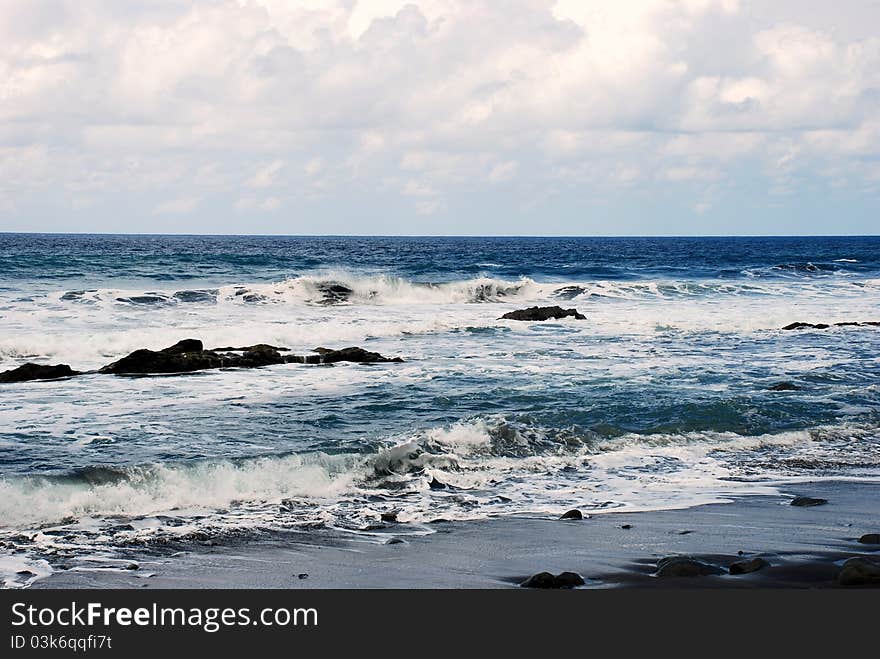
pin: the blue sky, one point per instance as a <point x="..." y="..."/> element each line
<point x="569" y="117"/>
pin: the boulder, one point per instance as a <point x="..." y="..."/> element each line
<point x="572" y="514"/>
<point x="806" y="502"/>
<point x="30" y="371"/>
<point x="870" y="539"/>
<point x="745" y="567"/>
<point x="547" y="580"/>
<point x="542" y="314"/>
<point x="684" y="566"/>
<point x="799" y="326"/>
<point x="859" y="571"/>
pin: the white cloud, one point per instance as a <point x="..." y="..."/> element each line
<point x="185" y="104"/>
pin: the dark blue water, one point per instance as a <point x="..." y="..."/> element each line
<point x="662" y="397"/>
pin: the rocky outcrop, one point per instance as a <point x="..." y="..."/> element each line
<point x="189" y="355"/>
<point x="547" y="580"/>
<point x="29" y="371"/>
<point x="542" y="314"/>
<point x="799" y="326"/>
<point x="684" y="566"/>
<point x="870" y="539"/>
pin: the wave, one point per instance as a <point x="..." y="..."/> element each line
<point x="531" y="468"/>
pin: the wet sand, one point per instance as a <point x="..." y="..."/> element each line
<point x="805" y="548"/>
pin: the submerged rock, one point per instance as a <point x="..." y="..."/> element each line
<point x="547" y="580"/>
<point x="543" y="313"/>
<point x="859" y="571"/>
<point x="784" y="386"/>
<point x="870" y="539"/>
<point x="333" y="292"/>
<point x="683" y="566"/>
<point x="30" y="371"/>
<point x="806" y="502"/>
<point x="572" y="514"/>
<point x="745" y="567"/>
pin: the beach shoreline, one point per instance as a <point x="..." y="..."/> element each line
<point x="804" y="546"/>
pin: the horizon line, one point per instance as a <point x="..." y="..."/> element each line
<point x="407" y="235"/>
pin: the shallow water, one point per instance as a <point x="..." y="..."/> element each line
<point x="659" y="399"/>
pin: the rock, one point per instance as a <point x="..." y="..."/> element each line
<point x="175" y="359"/>
<point x="798" y="326"/>
<point x="870" y="539"/>
<point x="30" y="371"/>
<point x="573" y="514"/>
<point x="132" y="566"/>
<point x="784" y="386"/>
<point x="390" y="516"/>
<point x="334" y="292"/>
<point x="745" y="567"/>
<point x="352" y="354"/>
<point x="547" y="580"/>
<point x="543" y="313"/>
<point x="434" y="484"/>
<point x="806" y="502"/>
<point x="184" y="346"/>
<point x="683" y="566"/>
<point x="302" y="575"/>
<point x="189" y="355"/>
<point x="859" y="571"/>
<point x="626" y="527"/>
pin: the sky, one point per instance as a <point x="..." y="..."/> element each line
<point x="438" y="117"/>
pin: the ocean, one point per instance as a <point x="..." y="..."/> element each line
<point x="660" y="399"/>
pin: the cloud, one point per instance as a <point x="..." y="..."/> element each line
<point x="225" y="104"/>
<point x="177" y="206"/>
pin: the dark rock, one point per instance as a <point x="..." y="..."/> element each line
<point x="859" y="571"/>
<point x="302" y="575"/>
<point x="390" y="516"/>
<point x="573" y="514"/>
<point x="175" y="359"/>
<point x="626" y="527"/>
<point x="543" y="313"/>
<point x="132" y="566"/>
<point x="434" y="484"/>
<point x="806" y="502"/>
<point x="870" y="539"/>
<point x="25" y="573"/>
<point x="184" y="346"/>
<point x="547" y="580"/>
<point x="29" y="371"/>
<point x="797" y="326"/>
<point x="246" y="348"/>
<point x="569" y="292"/>
<point x="745" y="567"/>
<point x="352" y="354"/>
<point x="784" y="386"/>
<point x="260" y="355"/>
<point x="333" y="292"/>
<point x="683" y="566"/>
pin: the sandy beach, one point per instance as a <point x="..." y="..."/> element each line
<point x="804" y="547"/>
